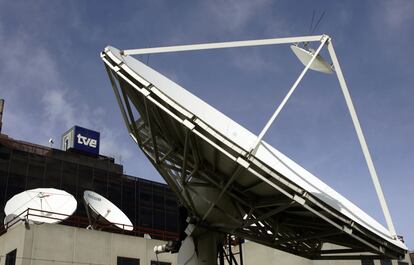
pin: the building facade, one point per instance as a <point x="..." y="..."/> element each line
<point x="152" y="207"/>
<point x="52" y="244"/>
<point x="47" y="244"/>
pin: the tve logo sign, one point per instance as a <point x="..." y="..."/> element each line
<point x="87" y="141"/>
<point x="81" y="139"/>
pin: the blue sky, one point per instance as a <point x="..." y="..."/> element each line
<point x="52" y="78"/>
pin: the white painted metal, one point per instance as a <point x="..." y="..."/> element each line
<point x="305" y="56"/>
<point x="44" y="205"/>
<point x="284" y="101"/>
<point x="187" y="254"/>
<point x="362" y="141"/>
<point x="221" y="45"/>
<point x="244" y="139"/>
<point x="312" y="61"/>
<point x="107" y="210"/>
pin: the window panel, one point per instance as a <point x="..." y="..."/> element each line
<point x="171" y="221"/>
<point x="53" y="173"/>
<point x="70" y="178"/>
<point x="159" y="220"/>
<point x="154" y="262"/>
<point x="127" y="261"/>
<point x="402" y="263"/>
<point x="385" y="262"/>
<point x="36" y="172"/>
<point x="129" y="201"/>
<point x="11" y="257"/>
<point x="145" y="217"/>
<point x="367" y="262"/>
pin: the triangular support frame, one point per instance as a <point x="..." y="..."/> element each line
<point x="324" y="40"/>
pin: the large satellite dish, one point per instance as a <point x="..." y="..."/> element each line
<point x="44" y="205"/>
<point x="104" y="209"/>
<point x="207" y="160"/>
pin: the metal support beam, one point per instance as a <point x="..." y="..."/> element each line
<point x="284" y="101"/>
<point x="153" y="137"/>
<point x="268" y="214"/>
<point x="221" y="45"/>
<point x="315" y="236"/>
<point x="130" y="114"/>
<point x="361" y="139"/>
<point x="224" y="189"/>
<point x="118" y="97"/>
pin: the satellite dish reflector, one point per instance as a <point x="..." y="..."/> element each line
<point x="103" y="208"/>
<point x="11" y="220"/>
<point x="45" y="205"/>
<point x="263" y="197"/>
<point x="319" y="64"/>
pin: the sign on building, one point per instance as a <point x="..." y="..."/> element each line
<point x="81" y="139"/>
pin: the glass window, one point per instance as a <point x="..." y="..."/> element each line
<point x="17" y="174"/>
<point x="146" y="217"/>
<point x="385" y="262"/>
<point x="171" y="221"/>
<point x="159" y="220"/>
<point x="53" y="173"/>
<point x="11" y="257"/>
<point x="129" y="201"/>
<point x="70" y="178"/>
<point x="85" y="177"/>
<point x="100" y="182"/>
<point x="127" y="261"/>
<point x="145" y="194"/>
<point x="36" y="172"/>
<point x="158" y="197"/>
<point x="367" y="262"/>
<point x="155" y="262"/>
<point x="115" y="189"/>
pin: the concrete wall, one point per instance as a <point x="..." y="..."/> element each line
<point x="49" y="244"/>
<point x="255" y="254"/>
<point x="10" y="241"/>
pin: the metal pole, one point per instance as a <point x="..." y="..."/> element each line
<point x="221" y="254"/>
<point x="240" y="251"/>
<point x="230" y="252"/>
<point x="361" y="139"/>
<point x="283" y="103"/>
<point x="221" y="45"/>
<point x="1" y="113"/>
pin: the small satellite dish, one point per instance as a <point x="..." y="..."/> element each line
<point x="44" y="205"/>
<point x="103" y="208"/>
<point x="305" y="55"/>
<point x="11" y="220"/>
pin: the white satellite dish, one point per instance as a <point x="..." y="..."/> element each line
<point x="304" y="56"/>
<point x="285" y="206"/>
<point x="11" y="220"/>
<point x="103" y="208"/>
<point x="45" y="205"/>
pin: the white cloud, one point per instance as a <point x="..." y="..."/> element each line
<point x="234" y="14"/>
<point x="39" y="102"/>
<point x="397" y="12"/>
